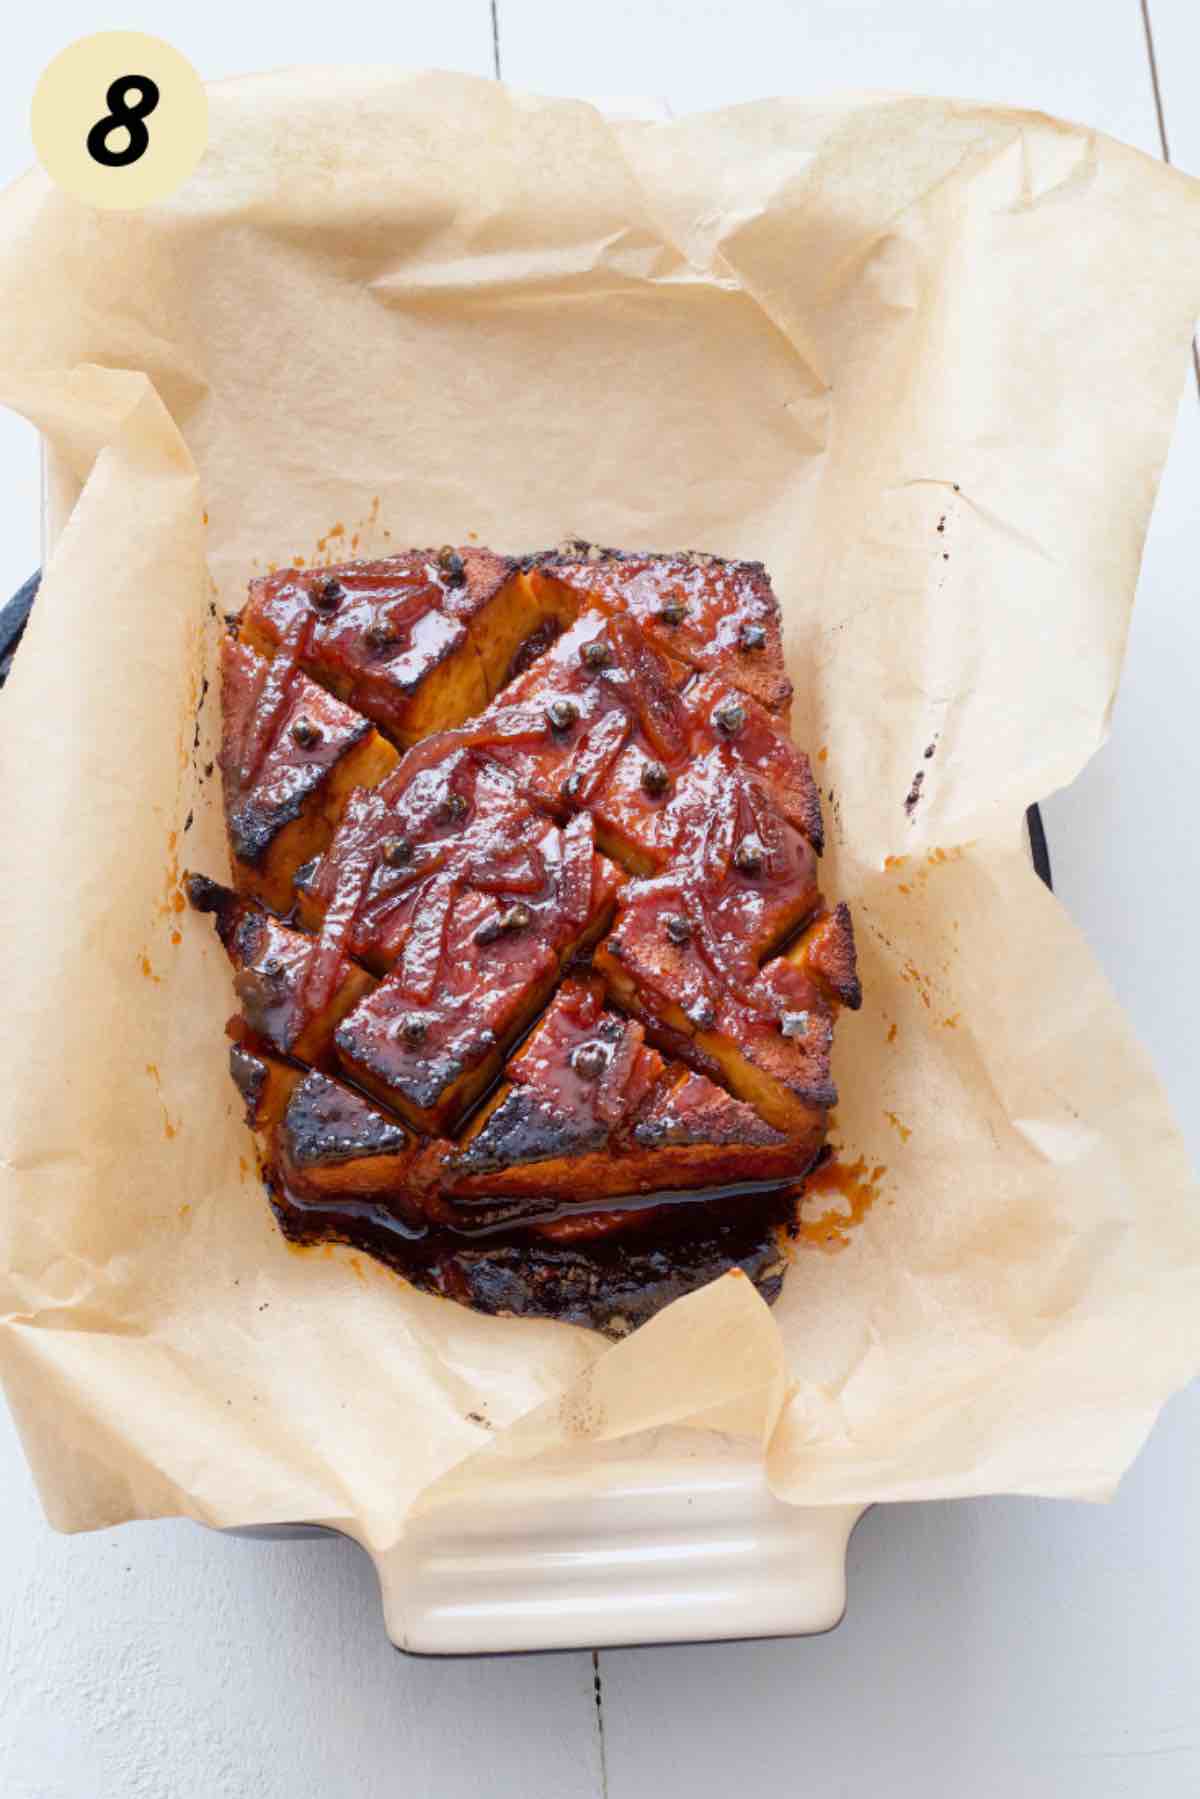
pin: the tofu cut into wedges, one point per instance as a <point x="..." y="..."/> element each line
<point x="332" y="1144"/>
<point x="587" y="1107"/>
<point x="482" y="955"/>
<point x="418" y="642"/>
<point x="706" y="611"/>
<point x="768" y="1038"/>
<point x="294" y="988"/>
<point x="291" y="755"/>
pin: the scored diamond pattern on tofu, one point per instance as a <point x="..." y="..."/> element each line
<point x="293" y="992"/>
<point x="708" y="612"/>
<point x="291" y="755"/>
<point x="333" y="1141"/>
<point x="446" y="812"/>
<point x="482" y="954"/>
<point x="559" y="964"/>
<point x="720" y="715"/>
<point x="392" y="638"/>
<point x="578" y="730"/>
<point x="587" y="1107"/>
<point x="739" y="879"/>
<point x="768" y="1039"/>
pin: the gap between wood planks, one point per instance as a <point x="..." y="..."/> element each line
<point x="1161" y="116"/>
<point x="599" y="1693"/>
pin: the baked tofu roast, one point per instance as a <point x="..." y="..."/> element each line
<point x="537" y="982"/>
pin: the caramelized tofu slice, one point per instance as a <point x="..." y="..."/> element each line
<point x="588" y="1108"/>
<point x="767" y="1040"/>
<point x="712" y="1137"/>
<point x="394" y="638"/>
<point x="265" y="1084"/>
<point x="705" y="611"/>
<point x="512" y="625"/>
<point x="291" y="754"/>
<point x="720" y="714"/>
<point x="447" y="820"/>
<point x="293" y="992"/>
<point x="741" y="879"/>
<point x="333" y="1142"/>
<point x="596" y="723"/>
<point x="826" y="953"/>
<point x="569" y="1102"/>
<point x="478" y="962"/>
<point x="741" y="1045"/>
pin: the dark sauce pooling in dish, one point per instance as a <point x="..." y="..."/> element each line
<point x="610" y="1284"/>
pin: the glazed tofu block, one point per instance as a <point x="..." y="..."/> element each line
<point x="293" y="993"/>
<point x="686" y="951"/>
<point x="416" y="642"/>
<point x="290" y="756"/>
<point x="705" y="611"/>
<point x="740" y="877"/>
<point x="568" y="1103"/>
<point x="597" y="724"/>
<point x="388" y="637"/>
<point x="482" y="952"/>
<point x="334" y="1142"/>
<point x="599" y="721"/>
<point x="447" y="822"/>
<point x="265" y="1084"/>
<point x="767" y="1039"/>
<point x="587" y="1107"/>
<point x="512" y="625"/>
<point x="720" y="715"/>
<point x="537" y="984"/>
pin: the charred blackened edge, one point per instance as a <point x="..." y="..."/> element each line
<point x="840" y="968"/>
<point x="812" y="821"/>
<point x="317" y="1132"/>
<point x="525" y="1128"/>
<point x="573" y="550"/>
<point x="254" y="824"/>
<point x="612" y="1287"/>
<point x="679" y="1132"/>
<point x="205" y="895"/>
<point x="423" y="1083"/>
<point x="250" y="1078"/>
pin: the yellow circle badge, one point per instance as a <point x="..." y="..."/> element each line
<point x="119" y="119"/>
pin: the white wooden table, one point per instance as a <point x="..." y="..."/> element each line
<point x="1005" y="1648"/>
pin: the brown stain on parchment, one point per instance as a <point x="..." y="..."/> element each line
<point x="903" y="1130"/>
<point x="917" y="872"/>
<point x="854" y="1188"/>
<point x="169" y="1128"/>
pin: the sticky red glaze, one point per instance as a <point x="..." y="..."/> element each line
<point x="733" y="916"/>
<point x="392" y="622"/>
<point x="577" y="1034"/>
<point x="725" y="605"/>
<point x="469" y="877"/>
<point x="569" y="730"/>
<point x="692" y="1110"/>
<point x="267" y="773"/>
<point x="760" y="747"/>
<point x="284" y="988"/>
<point x="463" y="979"/>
